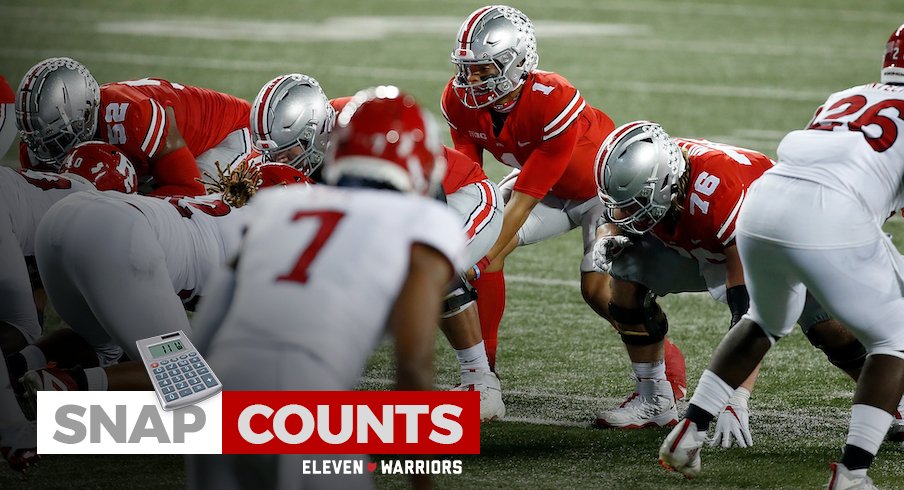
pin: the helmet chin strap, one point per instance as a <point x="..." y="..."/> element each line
<point x="509" y="105"/>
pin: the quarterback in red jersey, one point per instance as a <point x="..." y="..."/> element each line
<point x="171" y="132"/>
<point x="678" y="201"/>
<point x="539" y="124"/>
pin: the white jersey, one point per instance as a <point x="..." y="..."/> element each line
<point x="197" y="235"/>
<point x="26" y="195"/>
<point x="855" y="145"/>
<point x="321" y="267"/>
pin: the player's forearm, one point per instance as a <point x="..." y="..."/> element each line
<point x="516" y="213"/>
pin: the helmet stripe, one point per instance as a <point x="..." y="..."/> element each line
<point x="27" y="88"/>
<point x="264" y="102"/>
<point x="465" y="38"/>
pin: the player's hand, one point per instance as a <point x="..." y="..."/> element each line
<point x="734" y="422"/>
<point x="606" y="249"/>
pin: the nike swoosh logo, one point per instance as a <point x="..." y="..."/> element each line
<point x="522" y="145"/>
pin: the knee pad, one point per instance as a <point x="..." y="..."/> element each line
<point x="460" y="296"/>
<point x="848" y="355"/>
<point x="650" y="316"/>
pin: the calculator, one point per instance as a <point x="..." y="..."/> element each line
<point x="180" y="375"/>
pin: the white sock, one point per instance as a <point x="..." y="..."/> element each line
<point x="649" y="370"/>
<point x="97" y="379"/>
<point x="712" y="393"/>
<point x="868" y="427"/>
<point x="474" y="357"/>
<point x="34" y="357"/>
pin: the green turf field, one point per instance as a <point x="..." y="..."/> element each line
<point x="737" y="72"/>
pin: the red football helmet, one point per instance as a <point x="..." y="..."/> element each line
<point x="893" y="64"/>
<point x="103" y="165"/>
<point x="383" y="136"/>
<point x="273" y="174"/>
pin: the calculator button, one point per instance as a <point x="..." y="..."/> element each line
<point x="158" y="370"/>
<point x="208" y="380"/>
<point x="171" y="397"/>
<point x="185" y="392"/>
<point x="198" y="388"/>
<point x="178" y="378"/>
<point x="164" y="382"/>
<point x="160" y="376"/>
<point x="184" y="363"/>
<point x="167" y="389"/>
<point x="203" y="371"/>
<point x="194" y="359"/>
<point x="154" y="364"/>
<point x="181" y="385"/>
<point x="193" y="381"/>
<point x="198" y="365"/>
<point x="186" y="369"/>
<point x="183" y="356"/>
<point x="193" y="353"/>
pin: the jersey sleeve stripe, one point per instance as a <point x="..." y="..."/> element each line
<point x="565" y="126"/>
<point x="159" y="129"/>
<point x="155" y="119"/>
<point x="729" y="222"/>
<point x="565" y="111"/>
<point x="442" y="109"/>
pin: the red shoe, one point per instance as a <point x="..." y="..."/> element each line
<point x="675" y="370"/>
<point x="19" y="446"/>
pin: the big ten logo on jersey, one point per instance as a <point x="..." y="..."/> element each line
<point x="352" y="422"/>
<point x="188" y="206"/>
<point x="477" y="135"/>
<point x="125" y="422"/>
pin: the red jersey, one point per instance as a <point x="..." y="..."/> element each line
<point x="551" y="134"/>
<point x="6" y="93"/>
<point x="719" y="179"/>
<point x="132" y="117"/>
<point x="461" y="170"/>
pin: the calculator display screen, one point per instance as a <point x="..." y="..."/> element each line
<point x="166" y="348"/>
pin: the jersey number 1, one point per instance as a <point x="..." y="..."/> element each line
<point x="328" y="222"/>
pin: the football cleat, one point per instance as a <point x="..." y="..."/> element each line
<point x="656" y="409"/>
<point x="681" y="449"/>
<point x="843" y="479"/>
<point x="896" y="430"/>
<point x="18" y="445"/>
<point x="675" y="370"/>
<point x="491" y="405"/>
<point x="49" y="378"/>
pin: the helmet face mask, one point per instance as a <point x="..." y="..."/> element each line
<point x="637" y="171"/>
<point x="291" y="121"/>
<point x="56" y="108"/>
<point x="499" y="36"/>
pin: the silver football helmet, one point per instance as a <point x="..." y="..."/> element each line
<point x="56" y="108"/>
<point x="637" y="171"/>
<point x="291" y="120"/>
<point x="497" y="35"/>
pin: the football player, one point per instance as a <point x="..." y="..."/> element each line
<point x="171" y="132"/>
<point x="290" y="120"/>
<point x="813" y="224"/>
<point x="120" y="268"/>
<point x="539" y="124"/>
<point x="671" y="207"/>
<point x="309" y="303"/>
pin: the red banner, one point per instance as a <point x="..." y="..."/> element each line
<point x="351" y="422"/>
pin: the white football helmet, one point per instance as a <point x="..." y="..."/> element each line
<point x="291" y="120"/>
<point x="637" y="171"/>
<point x="56" y="108"/>
<point x="497" y="35"/>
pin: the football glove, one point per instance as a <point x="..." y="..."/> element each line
<point x="606" y="249"/>
<point x="733" y="424"/>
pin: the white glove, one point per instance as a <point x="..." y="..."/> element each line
<point x="733" y="424"/>
<point x="606" y="249"/>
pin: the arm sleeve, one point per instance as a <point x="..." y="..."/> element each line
<point x="177" y="174"/>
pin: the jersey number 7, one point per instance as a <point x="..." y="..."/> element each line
<point x="328" y="222"/>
